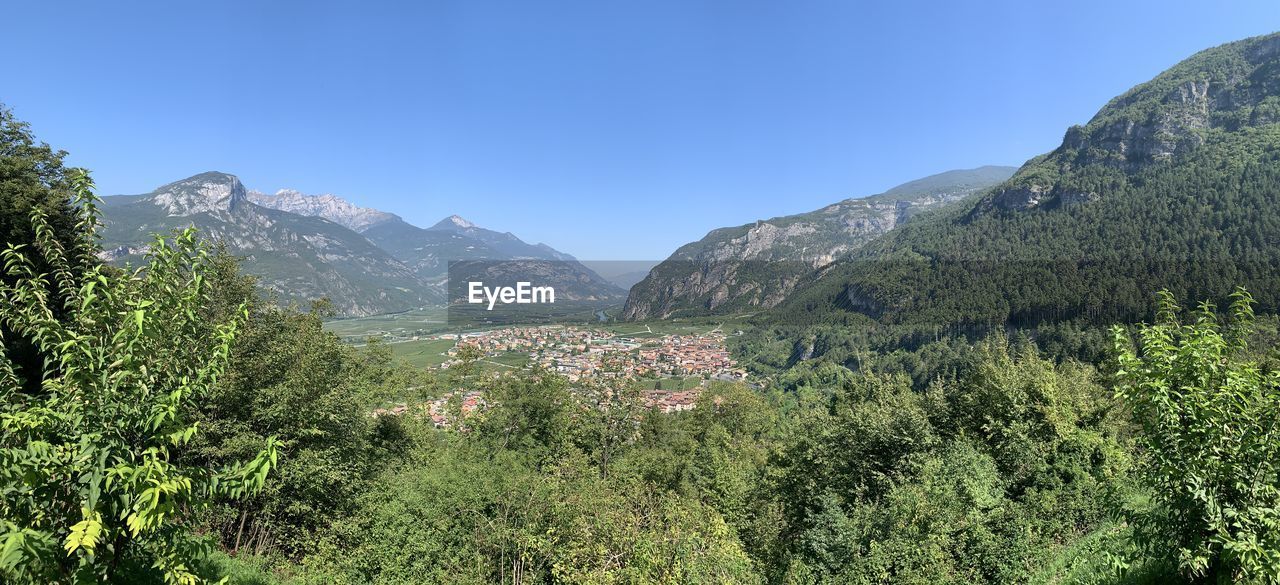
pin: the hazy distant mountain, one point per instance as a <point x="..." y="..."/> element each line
<point x="299" y="258"/>
<point x="503" y="242"/>
<point x="758" y="265"/>
<point x="499" y="257"/>
<point x="623" y="273"/>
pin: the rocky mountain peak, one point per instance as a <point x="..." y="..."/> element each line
<point x="209" y="192"/>
<point x="453" y="222"/>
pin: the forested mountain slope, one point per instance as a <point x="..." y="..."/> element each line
<point x="1173" y="184"/>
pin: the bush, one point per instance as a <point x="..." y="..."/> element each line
<point x="1209" y="413"/>
<point x="92" y="492"/>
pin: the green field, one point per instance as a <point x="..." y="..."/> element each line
<point x="427" y="354"/>
<point x="434" y="320"/>
<point x="391" y="326"/>
<point x="508" y="361"/>
<point x="579" y="313"/>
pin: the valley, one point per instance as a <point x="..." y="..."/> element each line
<point x="647" y="351"/>
<point x="1065" y="372"/>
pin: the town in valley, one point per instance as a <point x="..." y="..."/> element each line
<point x="671" y="370"/>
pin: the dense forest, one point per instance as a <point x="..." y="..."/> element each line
<point x="167" y="424"/>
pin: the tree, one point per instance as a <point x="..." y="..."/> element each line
<point x="92" y="492"/>
<point x="1208" y="413"/>
<point x="608" y="420"/>
<point x="529" y="417"/>
<point x="289" y="378"/>
<point x="32" y="178"/>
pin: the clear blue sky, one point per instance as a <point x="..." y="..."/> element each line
<point x="607" y="129"/>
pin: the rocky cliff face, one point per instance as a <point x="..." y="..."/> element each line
<point x="330" y="207"/>
<point x="757" y="265"/>
<point x="1224" y="89"/>
<point x="210" y="192"/>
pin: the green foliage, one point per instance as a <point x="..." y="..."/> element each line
<point x="33" y="179"/>
<point x="532" y="419"/>
<point x="980" y="478"/>
<point x="609" y="422"/>
<point x="1208" y="411"/>
<point x="510" y="497"/>
<point x="1001" y="467"/>
<point x="92" y="487"/>
<point x="289" y="378"/>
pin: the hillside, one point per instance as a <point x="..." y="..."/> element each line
<point x="298" y="258"/>
<point x="758" y="265"/>
<point x="1171" y="185"/>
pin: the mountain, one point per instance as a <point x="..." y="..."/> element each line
<point x="626" y="280"/>
<point x="299" y="258"/>
<point x="486" y="255"/>
<point x="330" y="207"/>
<point x="427" y="252"/>
<point x="1174" y="184"/>
<point x="758" y="265"/>
<point x="505" y="243"/>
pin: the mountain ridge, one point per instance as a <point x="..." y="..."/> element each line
<point x="302" y="247"/>
<point x="759" y="264"/>
<point x="298" y="258"/>
<point x="327" y="206"/>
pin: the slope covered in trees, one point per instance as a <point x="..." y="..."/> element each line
<point x="1171" y="185"/>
